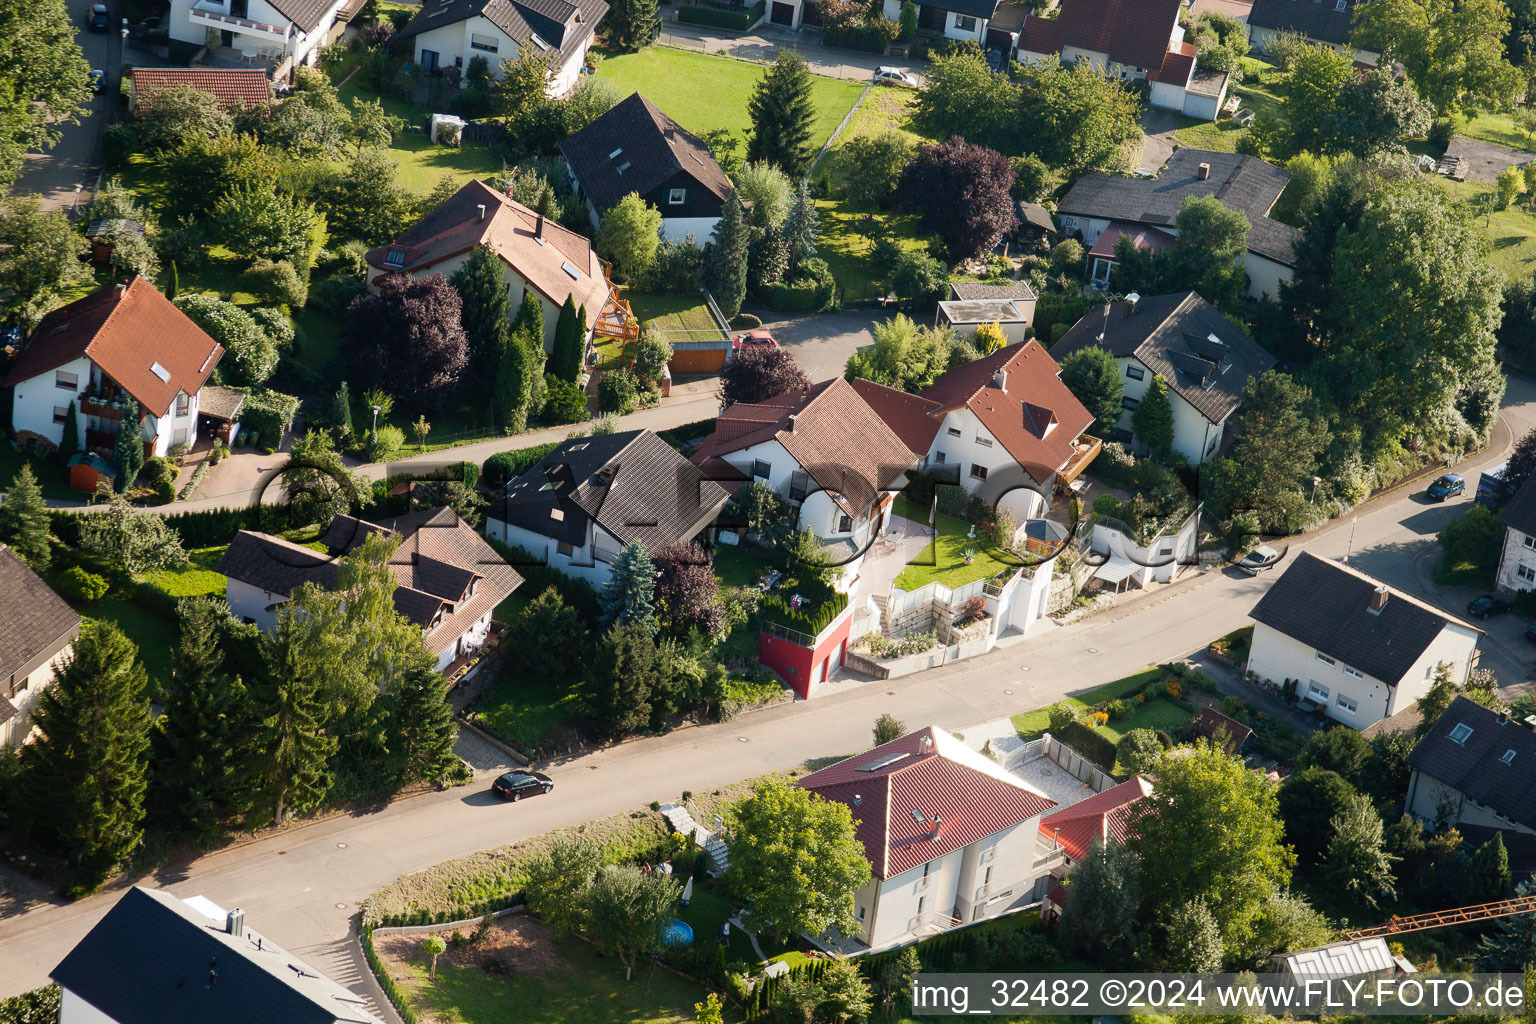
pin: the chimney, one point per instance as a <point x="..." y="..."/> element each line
<point x="481" y="208"/>
<point x="538" y="228"/>
<point x="857" y="800"/>
<point x="1130" y="303"/>
<point x="925" y="745"/>
<point x="1000" y="380"/>
<point x="234" y="921"/>
<point x="1530" y="722"/>
<point x="934" y="832"/>
<point x="1203" y="171"/>
<point x="790" y="423"/>
<point x="1378" y="600"/>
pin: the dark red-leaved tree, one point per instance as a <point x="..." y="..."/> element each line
<point x="687" y="593"/>
<point x="961" y="193"/>
<point x="1522" y="463"/>
<point x="409" y="339"/>
<point x="756" y="373"/>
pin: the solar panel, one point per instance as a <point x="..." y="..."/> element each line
<point x="884" y="762"/>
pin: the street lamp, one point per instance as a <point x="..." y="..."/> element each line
<point x="375" y="419"/>
<point x="122" y="52"/>
<point x="1315" y="481"/>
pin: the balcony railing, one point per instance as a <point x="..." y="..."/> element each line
<point x="214" y="15"/>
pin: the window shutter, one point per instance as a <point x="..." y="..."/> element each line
<point x="687" y="196"/>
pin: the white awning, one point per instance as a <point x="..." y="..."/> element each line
<point x="1116" y="570"/>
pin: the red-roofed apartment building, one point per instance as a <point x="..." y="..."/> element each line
<point x="1129" y="39"/>
<point x="126" y="340"/>
<point x="1074" y="830"/>
<point x="951" y="836"/>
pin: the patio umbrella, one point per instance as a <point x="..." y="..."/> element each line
<point x="688" y="892"/>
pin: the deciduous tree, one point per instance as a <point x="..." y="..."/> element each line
<point x="560" y="880"/>
<point x="1093" y="376"/>
<point x="962" y="96"/>
<point x="1105" y="895"/>
<point x="409" y="336"/>
<point x="137" y="542"/>
<point x="1357" y="862"/>
<point x="39" y="254"/>
<point x="869" y="167"/>
<point x="46" y="79"/>
<point x="630" y="235"/>
<point x="767" y="190"/>
<point x="1309" y="802"/>
<point x="783" y="116"/>
<point x="887" y="728"/>
<point x="250" y="353"/>
<point x="1075" y="118"/>
<point x="1453" y="49"/>
<point x="1193" y="940"/>
<point x="1318" y="75"/>
<point x="962" y="194"/>
<point x="687" y="592"/>
<point x="904" y="355"/>
<point x="627" y="908"/>
<point x="1375" y="110"/>
<point x="758" y="373"/>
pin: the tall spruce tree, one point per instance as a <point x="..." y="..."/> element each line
<point x="201" y="742"/>
<point x="341" y="413"/>
<point x="421" y="726"/>
<point x="565" y="360"/>
<point x="800" y="227"/>
<point x="130" y="446"/>
<point x="783" y="116"/>
<point x="85" y="776"/>
<point x="529" y="326"/>
<point x="487" y="313"/>
<point x="1511" y="945"/>
<point x="69" y="444"/>
<point x="630" y="596"/>
<point x="632" y="24"/>
<point x="24" y="520"/>
<point x="292" y="769"/>
<point x="725" y="258"/>
<point x="1152" y="422"/>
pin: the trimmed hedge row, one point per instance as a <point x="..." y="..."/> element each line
<point x="739" y="19"/>
<point x="811" y="294"/>
<point x="1092" y="744"/>
<point x="503" y="467"/>
<point x="204" y="529"/>
<point x="775" y="608"/>
<point x="391" y="990"/>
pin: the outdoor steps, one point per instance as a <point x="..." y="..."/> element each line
<point x="882" y="602"/>
<point x="681" y="822"/>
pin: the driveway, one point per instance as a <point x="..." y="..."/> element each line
<point x="1485" y="159"/>
<point x="822" y="342"/>
<point x="1157" y="127"/>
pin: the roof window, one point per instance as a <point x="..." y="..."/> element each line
<point x="161" y="372"/>
<point x="1509" y="757"/>
<point x="1461" y="733"/>
<point x="615" y="154"/>
<point x="884" y="762"/>
<point x="558" y="515"/>
<point x="623" y="167"/>
<point x="570" y="268"/>
<point x="396" y="258"/>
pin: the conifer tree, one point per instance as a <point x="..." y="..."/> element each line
<point x="1511" y="945"/>
<point x="200" y="743"/>
<point x="800" y="228"/>
<point x="632" y="24"/>
<point x="783" y="116"/>
<point x="1358" y="862"/>
<point x="630" y="596"/>
<point x="69" y="444"/>
<point x="1152" y="422"/>
<point x="1485" y="875"/>
<point x="130" y="446"/>
<point x="173" y="282"/>
<point x="421" y="726"/>
<point x="530" y="318"/>
<point x="565" y="360"/>
<point x="24" y="520"/>
<point x="514" y="386"/>
<point x="85" y="775"/>
<point x="529" y="326"/>
<point x="341" y="413"/>
<point x="725" y="258"/>
<point x="487" y="312"/>
<point x="293" y="750"/>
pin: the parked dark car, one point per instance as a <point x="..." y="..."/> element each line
<point x="1259" y="559"/>
<point x="1488" y="606"/>
<point x="518" y="784"/>
<point x="99" y="19"/>
<point x="98" y="82"/>
<point x="1447" y="486"/>
<point x="1530" y="632"/>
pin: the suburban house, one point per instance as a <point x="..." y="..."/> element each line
<point x="636" y="148"/>
<point x="591" y="497"/>
<point x="825" y="451"/>
<point x="950" y="835"/>
<point x="1097" y="202"/>
<point x="449" y="579"/>
<point x="1355" y="647"/>
<point x="1326" y="22"/>
<point x="282" y="31"/>
<point x="1100" y="818"/>
<point x="158" y="959"/>
<point x="1517" y="559"/>
<point x="1475" y="767"/>
<point x="1129" y="40"/>
<point x="970" y="304"/>
<point x="955" y="19"/>
<point x="234" y="88"/>
<point x="123" y="341"/>
<point x="1205" y="358"/>
<point x="537" y="255"/>
<point x="37" y="633"/>
<point x="450" y="33"/>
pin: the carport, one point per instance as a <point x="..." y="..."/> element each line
<point x="1115" y="572"/>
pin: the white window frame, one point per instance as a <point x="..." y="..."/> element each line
<point x="978" y="472"/>
<point x="1528" y="540"/>
<point x="677" y="196"/>
<point x="965" y="23"/>
<point x="1460" y="734"/>
<point x="1352" y="671"/>
<point x="61" y="414"/>
<point x="1320" y="656"/>
<point x="493" y="47"/>
<point x="1525" y="572"/>
<point x="954" y="431"/>
<point x="1317" y="691"/>
<point x="1348" y="705"/>
<point x="66" y="381"/>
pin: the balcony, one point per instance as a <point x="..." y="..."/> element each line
<point x="1084" y="450"/>
<point x="211" y="14"/>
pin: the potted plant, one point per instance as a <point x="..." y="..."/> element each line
<point x="969" y="553"/>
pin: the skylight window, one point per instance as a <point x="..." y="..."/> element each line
<point x="884" y="762"/>
<point x="623" y="166"/>
<point x="1509" y="757"/>
<point x="161" y="372"/>
<point x="577" y="447"/>
<point x="558" y="515"/>
<point x="570" y="268"/>
<point x="615" y="154"/>
<point x="1461" y="733"/>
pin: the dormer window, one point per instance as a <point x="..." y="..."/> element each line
<point x="396" y="258"/>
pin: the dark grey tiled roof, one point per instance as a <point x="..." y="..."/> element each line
<point x="155" y="960"/>
<point x="561" y="24"/>
<point x="1520" y="511"/>
<point x="1241" y="183"/>
<point x="1170" y="334"/>
<point x="1476" y="766"/>
<point x="633" y="484"/>
<point x="1326" y="605"/>
<point x="1320" y="19"/>
<point x="306" y="14"/>
<point x="35" y="623"/>
<point x="652" y="149"/>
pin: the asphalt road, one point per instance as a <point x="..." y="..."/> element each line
<point x="66" y="174"/>
<point x="303" y="886"/>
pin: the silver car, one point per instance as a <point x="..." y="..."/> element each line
<point x="896" y="76"/>
<point x="1256" y="561"/>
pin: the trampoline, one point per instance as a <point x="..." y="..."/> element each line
<point x="677" y="933"/>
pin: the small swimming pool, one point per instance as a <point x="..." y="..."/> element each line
<point x="677" y="933"/>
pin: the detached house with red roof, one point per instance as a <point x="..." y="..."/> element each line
<point x="124" y="341"/>
<point x="538" y="256"/>
<point x="1129" y="39"/>
<point x="950" y="835"/>
<point x="1073" y="830"/>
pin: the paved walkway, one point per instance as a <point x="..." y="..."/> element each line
<point x="1157" y="127"/>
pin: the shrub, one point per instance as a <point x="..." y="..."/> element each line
<point x="716" y="17"/>
<point x="1095" y="746"/>
<point x="1060" y="715"/>
<point x="564" y="401"/>
<point x="882" y="646"/>
<point x="84" y="586"/>
<point x="618" y="392"/>
<point x="1440" y="133"/>
<point x="267" y="414"/>
<point x="277" y="283"/>
<point x="334" y="294"/>
<point x="504" y="467"/>
<point x="158" y="470"/>
<point x="385" y="443"/>
<point x="813" y="290"/>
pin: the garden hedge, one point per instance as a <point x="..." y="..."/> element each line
<point x="503" y="467"/>
<point x="739" y="19"/>
<point x="39" y="1006"/>
<point x="813" y="294"/>
<point x="775" y="608"/>
<point x="1091" y="743"/>
<point x="205" y="529"/>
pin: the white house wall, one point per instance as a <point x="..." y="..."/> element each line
<point x="1265" y="276"/>
<point x="1168" y="96"/>
<point x="35" y="397"/>
<point x="1258" y="39"/>
<point x="453" y="46"/>
<point x="1194" y="437"/>
<point x="1519" y="554"/>
<point x="74" y="1010"/>
<point x="247" y="602"/>
<point x="1432" y="800"/>
<point x="28" y="688"/>
<point x="907" y="900"/>
<point x="545" y="551"/>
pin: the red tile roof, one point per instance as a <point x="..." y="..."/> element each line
<point x="1178" y="65"/>
<point x="1033" y="415"/>
<point x="1134" y="32"/>
<point x="927" y="801"/>
<point x="1142" y="236"/>
<point x="127" y="330"/>
<point x="232" y="87"/>
<point x="1101" y="816"/>
<point x="910" y="416"/>
<point x="836" y="438"/>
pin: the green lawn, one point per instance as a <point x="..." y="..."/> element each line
<point x="943" y="560"/>
<point x="675" y="314"/>
<point x="155" y="635"/>
<point x="51" y="475"/>
<point x="197" y="579"/>
<point x="702" y="92"/>
<point x="423" y="163"/>
<point x="739" y="566"/>
<point x="522" y="711"/>
<point x="1032" y="723"/>
<point x="1154" y="714"/>
<point x="1266" y="97"/>
<point x="1497" y="128"/>
<point x="589" y="988"/>
<point x="1512" y="232"/>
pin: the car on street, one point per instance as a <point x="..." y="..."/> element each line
<point x="754" y="339"/>
<point x="1488" y="605"/>
<point x="98" y="81"/>
<point x="515" y="785"/>
<point x="1260" y="558"/>
<point x="99" y="19"/>
<point x="1530" y="632"/>
<point x="1446" y="486"/>
<point x="895" y="76"/>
